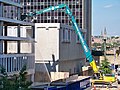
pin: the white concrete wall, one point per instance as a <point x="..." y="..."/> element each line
<point x="47" y="41"/>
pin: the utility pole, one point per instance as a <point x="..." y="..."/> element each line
<point x="104" y="46"/>
<point x="104" y="41"/>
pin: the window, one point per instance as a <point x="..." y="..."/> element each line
<point x="70" y="6"/>
<point x="62" y="21"/>
<point x="77" y="6"/>
<point x="70" y="71"/>
<point x="66" y="35"/>
<point x="42" y="6"/>
<point x="49" y="14"/>
<point x="74" y="70"/>
<point x="45" y="21"/>
<point x="77" y="20"/>
<point x="77" y="39"/>
<point x="56" y="21"/>
<point x="69" y="35"/>
<point x="80" y="6"/>
<point x="63" y="14"/>
<point x="84" y="35"/>
<point x="77" y="14"/>
<point x="28" y="4"/>
<point x="56" y="17"/>
<point x="59" y="13"/>
<point x="49" y="17"/>
<point x="48" y="21"/>
<point x="55" y="13"/>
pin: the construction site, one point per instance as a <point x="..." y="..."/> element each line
<point x="47" y="45"/>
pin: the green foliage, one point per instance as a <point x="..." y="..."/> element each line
<point x="96" y="45"/>
<point x="14" y="82"/>
<point x="105" y="67"/>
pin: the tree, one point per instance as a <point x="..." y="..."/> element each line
<point x="105" y="67"/>
<point x="96" y="45"/>
<point x="21" y="80"/>
<point x="14" y="82"/>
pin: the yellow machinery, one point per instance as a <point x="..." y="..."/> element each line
<point x="103" y="79"/>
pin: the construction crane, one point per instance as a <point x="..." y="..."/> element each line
<point x="87" y="52"/>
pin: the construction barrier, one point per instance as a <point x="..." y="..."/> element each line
<point x="78" y="85"/>
<point x="72" y="85"/>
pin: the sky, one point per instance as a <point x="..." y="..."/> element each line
<point x="106" y="13"/>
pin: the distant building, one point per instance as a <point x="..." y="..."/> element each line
<point x="111" y="43"/>
<point x="12" y="43"/>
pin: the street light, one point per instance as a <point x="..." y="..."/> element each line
<point x="104" y="41"/>
<point x="104" y="46"/>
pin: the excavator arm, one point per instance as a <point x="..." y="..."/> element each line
<point x="76" y="28"/>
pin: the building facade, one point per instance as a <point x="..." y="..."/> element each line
<point x="13" y="55"/>
<point x="59" y="47"/>
<point x="81" y="9"/>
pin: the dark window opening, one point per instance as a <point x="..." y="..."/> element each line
<point x="56" y="21"/>
<point x="59" y="13"/>
<point x="77" y="6"/>
<point x="63" y="13"/>
<point x="62" y="21"/>
<point x="52" y="21"/>
<point x="48" y="21"/>
<point x="45" y="21"/>
<point x="80" y="6"/>
<point x="77" y="20"/>
<point x="70" y="6"/>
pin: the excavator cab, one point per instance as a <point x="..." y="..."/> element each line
<point x="97" y="76"/>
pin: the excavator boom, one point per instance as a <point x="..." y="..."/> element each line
<point x="76" y="28"/>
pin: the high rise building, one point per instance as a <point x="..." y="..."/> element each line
<point x="81" y="9"/>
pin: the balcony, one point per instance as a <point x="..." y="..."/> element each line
<point x="15" y="22"/>
<point x="15" y="62"/>
<point x="12" y="2"/>
<point x="10" y="38"/>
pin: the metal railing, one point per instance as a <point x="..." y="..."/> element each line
<point x="15" y="62"/>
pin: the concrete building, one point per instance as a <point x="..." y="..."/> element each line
<point x="81" y="9"/>
<point x="69" y="54"/>
<point x="58" y="44"/>
<point x="13" y="55"/>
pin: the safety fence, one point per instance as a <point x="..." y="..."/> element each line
<point x="77" y="85"/>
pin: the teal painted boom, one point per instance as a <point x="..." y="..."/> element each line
<point x="77" y="29"/>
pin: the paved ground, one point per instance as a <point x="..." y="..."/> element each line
<point x="115" y="86"/>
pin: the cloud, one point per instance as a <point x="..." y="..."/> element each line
<point x="108" y="6"/>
